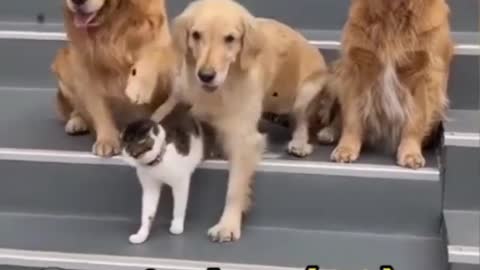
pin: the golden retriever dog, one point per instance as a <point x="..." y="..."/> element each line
<point x="107" y="38"/>
<point x="392" y="76"/>
<point x="233" y="68"/>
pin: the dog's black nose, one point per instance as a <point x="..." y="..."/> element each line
<point x="207" y="75"/>
<point x="79" y="2"/>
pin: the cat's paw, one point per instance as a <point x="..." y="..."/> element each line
<point x="138" y="238"/>
<point x="177" y="227"/>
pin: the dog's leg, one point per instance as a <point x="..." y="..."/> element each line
<point x="180" y="202"/>
<point x="76" y="125"/>
<point x="300" y="145"/>
<point x="165" y="108"/>
<point x="151" y="191"/>
<point x="244" y="151"/>
<point x="350" y="144"/>
<point x="429" y="102"/>
<point x="330" y="133"/>
<point x="107" y="135"/>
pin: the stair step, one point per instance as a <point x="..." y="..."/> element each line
<point x="462" y="188"/>
<point x="74" y="243"/>
<point x="308" y="14"/>
<point x="31" y="52"/>
<point x="463" y="229"/>
<point x="350" y="197"/>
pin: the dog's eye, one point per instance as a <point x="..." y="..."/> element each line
<point x="229" y="39"/>
<point x="196" y="35"/>
<point x="134" y="72"/>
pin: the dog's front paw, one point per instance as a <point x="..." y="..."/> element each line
<point x="299" y="148"/>
<point x="138" y="238"/>
<point x="409" y="155"/>
<point x="107" y="147"/>
<point x="344" y="154"/>
<point x="413" y="159"/>
<point x="225" y="232"/>
<point x="76" y="126"/>
<point x="177" y="227"/>
<point x="137" y="95"/>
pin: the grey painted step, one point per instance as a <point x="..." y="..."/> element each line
<point x="456" y="266"/>
<point x="462" y="187"/>
<point x="462" y="160"/>
<point x="30" y="60"/>
<point x="373" y="195"/>
<point x="463" y="230"/>
<point x="307" y="14"/>
<point x="94" y="244"/>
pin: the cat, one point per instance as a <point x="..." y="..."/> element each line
<point x="164" y="153"/>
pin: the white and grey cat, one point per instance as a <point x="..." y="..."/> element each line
<point x="165" y="153"/>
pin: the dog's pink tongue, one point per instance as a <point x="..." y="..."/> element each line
<point x="83" y="20"/>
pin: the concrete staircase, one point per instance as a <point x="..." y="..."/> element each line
<point x="62" y="207"/>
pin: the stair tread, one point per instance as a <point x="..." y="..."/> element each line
<point x="467" y="43"/>
<point x="259" y="246"/>
<point x="33" y="125"/>
<point x="462" y="128"/>
<point x="463" y="233"/>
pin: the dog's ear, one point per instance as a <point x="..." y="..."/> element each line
<point x="180" y="32"/>
<point x="251" y="43"/>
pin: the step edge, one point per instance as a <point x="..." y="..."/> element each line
<point x="103" y="262"/>
<point x="267" y="165"/>
<point x="462" y="139"/>
<point x="327" y="44"/>
<point x="464" y="254"/>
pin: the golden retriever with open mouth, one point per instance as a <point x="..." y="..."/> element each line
<point x="392" y="76"/>
<point x="235" y="67"/>
<point x="107" y="38"/>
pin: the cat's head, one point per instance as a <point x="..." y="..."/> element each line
<point x="142" y="141"/>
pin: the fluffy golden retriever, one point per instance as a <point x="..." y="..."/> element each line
<point x="234" y="67"/>
<point x="392" y="76"/>
<point x="107" y="38"/>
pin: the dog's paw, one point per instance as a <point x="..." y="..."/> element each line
<point x="137" y="95"/>
<point x="344" y="154"/>
<point x="225" y="232"/>
<point x="299" y="148"/>
<point x="138" y="238"/>
<point x="413" y="160"/>
<point x="326" y="135"/>
<point x="176" y="227"/>
<point x="76" y="126"/>
<point x="107" y="147"/>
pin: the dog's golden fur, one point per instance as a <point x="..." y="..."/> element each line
<point x="261" y="66"/>
<point x="392" y="76"/>
<point x="94" y="69"/>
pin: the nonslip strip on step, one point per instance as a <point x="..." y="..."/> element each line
<point x="27" y="111"/>
<point x="467" y="43"/>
